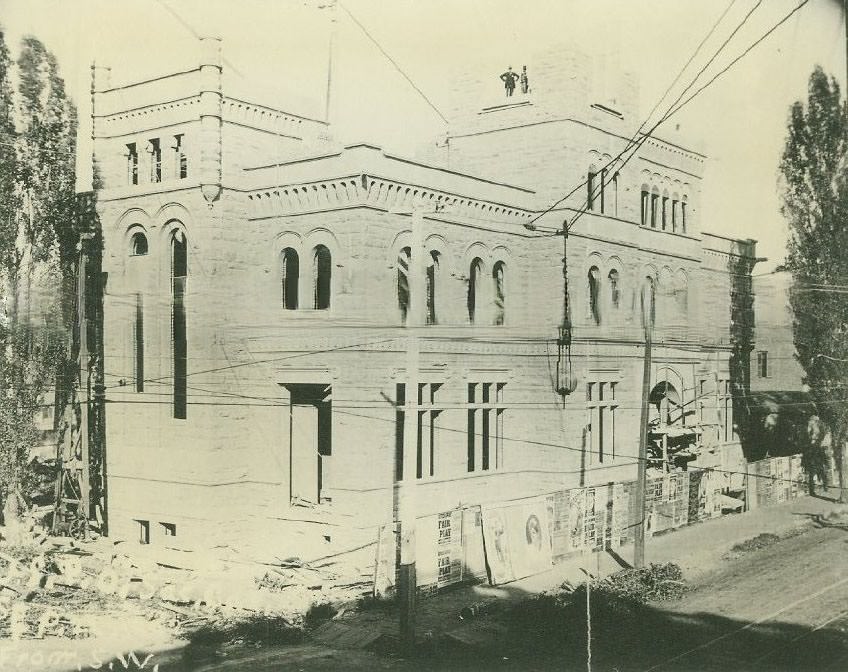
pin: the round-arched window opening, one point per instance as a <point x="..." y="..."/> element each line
<point x="138" y="244"/>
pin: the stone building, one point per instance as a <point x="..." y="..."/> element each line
<point x="773" y="366"/>
<point x="259" y="284"/>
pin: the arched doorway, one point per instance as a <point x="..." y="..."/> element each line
<point x="666" y="407"/>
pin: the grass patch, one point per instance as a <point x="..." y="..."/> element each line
<point x="546" y="621"/>
<point x="249" y="630"/>
<point x="376" y="603"/>
<point x="763" y="540"/>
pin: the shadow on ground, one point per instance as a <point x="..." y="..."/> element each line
<point x="547" y="632"/>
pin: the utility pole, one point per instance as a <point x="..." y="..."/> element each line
<point x="407" y="581"/>
<point x="639" y="540"/>
<point x="84" y="509"/>
<point x="331" y="5"/>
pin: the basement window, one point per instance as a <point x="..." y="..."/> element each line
<point x="169" y="529"/>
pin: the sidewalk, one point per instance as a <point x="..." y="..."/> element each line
<point x="697" y="548"/>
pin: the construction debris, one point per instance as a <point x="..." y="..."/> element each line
<point x="54" y="586"/>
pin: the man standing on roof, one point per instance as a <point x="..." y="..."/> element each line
<point x="509" y="78"/>
<point x="525" y="82"/>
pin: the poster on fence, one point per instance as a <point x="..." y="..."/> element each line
<point x="384" y="560"/>
<point x="438" y="549"/>
<point x="474" y="558"/>
<point x="517" y="541"/>
<point x="558" y="508"/>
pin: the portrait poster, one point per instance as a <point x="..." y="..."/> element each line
<point x="517" y="540"/>
<point x="496" y="545"/>
<point x="474" y="557"/>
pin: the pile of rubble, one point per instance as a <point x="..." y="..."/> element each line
<point x="59" y="586"/>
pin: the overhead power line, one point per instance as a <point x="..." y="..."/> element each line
<point x="671" y="109"/>
<point x="393" y="62"/>
<point x="742" y="55"/>
<point x="631" y="460"/>
<point x="635" y="140"/>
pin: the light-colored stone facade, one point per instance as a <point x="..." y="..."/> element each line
<point x="276" y="396"/>
<point x="773" y="363"/>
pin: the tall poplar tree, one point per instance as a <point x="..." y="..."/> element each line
<point x="814" y="173"/>
<point x="37" y="247"/>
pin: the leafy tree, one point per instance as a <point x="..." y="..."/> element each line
<point x="815" y="203"/>
<point x="37" y="246"/>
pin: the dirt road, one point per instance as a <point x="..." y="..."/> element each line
<point x="780" y="607"/>
<point x="784" y="607"/>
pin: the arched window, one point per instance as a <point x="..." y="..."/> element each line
<point x="289" y="278"/>
<point x="649" y="301"/>
<point x="681" y="296"/>
<point x="138" y="244"/>
<point x="683" y="205"/>
<point x="675" y="212"/>
<point x="403" y="282"/>
<point x="646" y="205"/>
<point x="432" y="280"/>
<point x="475" y="272"/>
<point x="595" y="294"/>
<point x="655" y="202"/>
<point x="322" y="269"/>
<point x="615" y="289"/>
<point x="179" y="274"/>
<point x="665" y="215"/>
<point x="615" y="194"/>
<point x="591" y="187"/>
<point x="499" y="280"/>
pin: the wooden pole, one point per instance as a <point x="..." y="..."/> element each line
<point x="641" y="481"/>
<point x="407" y="580"/>
<point x="84" y="507"/>
<point x="330" y="50"/>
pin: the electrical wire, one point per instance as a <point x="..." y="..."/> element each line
<point x="671" y="109"/>
<point x="629" y="461"/>
<point x="392" y="61"/>
<point x="633" y="142"/>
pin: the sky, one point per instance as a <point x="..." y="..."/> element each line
<point x="279" y="51"/>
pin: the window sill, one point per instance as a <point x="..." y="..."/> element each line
<point x="307" y="313"/>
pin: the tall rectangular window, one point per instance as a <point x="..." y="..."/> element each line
<point x="485" y="426"/>
<point x="179" y="273"/>
<point x="674" y="207"/>
<point x="683" y="216"/>
<point x="601" y="405"/>
<point x="603" y="185"/>
<point x="725" y="406"/>
<point x="143" y="531"/>
<point x="591" y="185"/>
<point x="646" y="206"/>
<point x="654" y="203"/>
<point x="155" y="150"/>
<point x="427" y="429"/>
<point x="762" y="364"/>
<point x="132" y="163"/>
<point x="664" y="212"/>
<point x="180" y="160"/>
<point x="310" y="442"/>
<point x="138" y="342"/>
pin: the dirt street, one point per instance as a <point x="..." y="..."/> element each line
<point x="776" y="604"/>
<point x="781" y="607"/>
